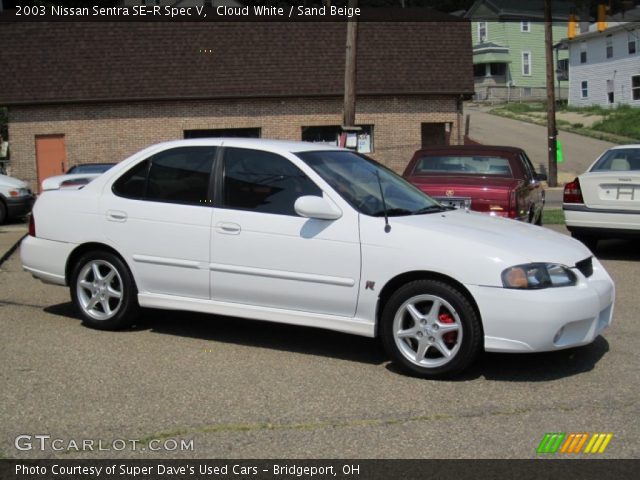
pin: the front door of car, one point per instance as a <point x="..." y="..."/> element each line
<point x="534" y="192"/>
<point x="158" y="214"/>
<point x="264" y="254"/>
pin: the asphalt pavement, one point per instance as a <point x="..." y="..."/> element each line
<point x="250" y="389"/>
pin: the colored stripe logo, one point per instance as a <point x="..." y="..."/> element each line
<point x="568" y="443"/>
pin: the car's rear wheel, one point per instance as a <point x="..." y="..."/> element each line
<point x="103" y="291"/>
<point x="430" y="329"/>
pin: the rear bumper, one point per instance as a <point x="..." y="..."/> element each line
<point x="549" y="319"/>
<point x="600" y="222"/>
<point x="45" y="259"/>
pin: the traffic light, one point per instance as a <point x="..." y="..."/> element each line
<point x="602" y="17"/>
<point x="572" y="26"/>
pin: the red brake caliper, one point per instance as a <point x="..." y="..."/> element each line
<point x="449" y="338"/>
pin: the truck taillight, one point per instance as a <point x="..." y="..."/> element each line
<point x="32" y="226"/>
<point x="572" y="192"/>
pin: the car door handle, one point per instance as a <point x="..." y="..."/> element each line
<point x="228" y="228"/>
<point x="116" y="216"/>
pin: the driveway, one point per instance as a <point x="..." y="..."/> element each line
<point x="579" y="151"/>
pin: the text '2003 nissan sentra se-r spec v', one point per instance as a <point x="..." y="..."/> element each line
<point x="314" y="235"/>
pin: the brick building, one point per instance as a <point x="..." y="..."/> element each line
<point x="98" y="92"/>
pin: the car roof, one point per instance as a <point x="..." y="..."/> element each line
<point x="469" y="149"/>
<point x="618" y="147"/>
<point x="257" y="143"/>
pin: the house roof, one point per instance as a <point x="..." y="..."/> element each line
<point x="520" y="9"/>
<point x="81" y="62"/>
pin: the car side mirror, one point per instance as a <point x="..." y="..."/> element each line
<point x="311" y="206"/>
<point x="541" y="177"/>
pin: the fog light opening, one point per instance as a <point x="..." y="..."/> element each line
<point x="558" y="335"/>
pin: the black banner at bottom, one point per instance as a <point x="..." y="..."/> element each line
<point x="318" y="469"/>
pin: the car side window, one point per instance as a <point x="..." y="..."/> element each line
<point x="529" y="171"/>
<point x="179" y="175"/>
<point x="263" y="182"/>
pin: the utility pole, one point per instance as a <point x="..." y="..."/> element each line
<point x="551" y="96"/>
<point x="349" y="118"/>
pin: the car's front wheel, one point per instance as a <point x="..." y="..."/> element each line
<point x="430" y="329"/>
<point x="103" y="291"/>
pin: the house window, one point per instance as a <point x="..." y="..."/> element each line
<point x="583" y="52"/>
<point x="635" y="87"/>
<point x="563" y="69"/>
<point x="526" y="64"/>
<point x="633" y="39"/>
<point x="525" y="27"/>
<point x="482" y="32"/>
<point x="584" y="89"/>
<point x="609" y="46"/>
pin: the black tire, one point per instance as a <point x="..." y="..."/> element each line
<point x="124" y="309"/>
<point x="3" y="212"/>
<point x="590" y="242"/>
<point x="539" y="219"/>
<point x="463" y="352"/>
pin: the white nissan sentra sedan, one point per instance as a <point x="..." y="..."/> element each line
<point x="314" y="235"/>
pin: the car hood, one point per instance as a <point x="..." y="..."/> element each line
<point x="479" y="236"/>
<point x="12" y="182"/>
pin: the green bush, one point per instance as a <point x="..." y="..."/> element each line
<point x="624" y="120"/>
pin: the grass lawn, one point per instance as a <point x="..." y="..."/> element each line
<point x="622" y="121"/>
<point x="553" y="216"/>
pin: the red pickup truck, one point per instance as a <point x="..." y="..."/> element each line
<point x="491" y="179"/>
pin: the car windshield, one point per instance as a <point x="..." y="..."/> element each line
<point x="618" y="160"/>
<point x="465" y="164"/>
<point x="355" y="178"/>
<point x="97" y="168"/>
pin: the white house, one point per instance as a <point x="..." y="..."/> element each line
<point x="604" y="67"/>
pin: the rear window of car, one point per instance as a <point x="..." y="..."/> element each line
<point x="619" y="160"/>
<point x="464" y="164"/>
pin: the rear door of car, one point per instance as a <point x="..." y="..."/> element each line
<point x="158" y="214"/>
<point x="264" y="254"/>
<point x="533" y="191"/>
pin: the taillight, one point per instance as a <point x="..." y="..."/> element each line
<point x="572" y="192"/>
<point x="32" y="226"/>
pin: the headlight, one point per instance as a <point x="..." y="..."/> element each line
<point x="538" y="275"/>
<point x="20" y="192"/>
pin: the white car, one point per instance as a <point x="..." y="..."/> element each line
<point x="604" y="202"/>
<point x="16" y="198"/>
<point x="314" y="235"/>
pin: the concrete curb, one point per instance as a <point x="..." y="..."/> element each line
<point x="12" y="249"/>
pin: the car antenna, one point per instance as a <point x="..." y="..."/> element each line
<point x="387" y="227"/>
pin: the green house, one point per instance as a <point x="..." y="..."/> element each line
<point x="508" y="47"/>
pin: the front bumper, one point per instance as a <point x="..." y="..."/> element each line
<point x="548" y="319"/>
<point x="19" y="206"/>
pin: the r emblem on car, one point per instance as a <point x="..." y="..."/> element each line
<point x="369" y="285"/>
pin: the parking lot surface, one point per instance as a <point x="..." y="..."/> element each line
<point x="250" y="389"/>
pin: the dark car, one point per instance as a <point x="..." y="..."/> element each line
<point x="491" y="179"/>
<point x="90" y="168"/>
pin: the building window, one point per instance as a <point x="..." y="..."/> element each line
<point x="563" y="69"/>
<point x="609" y="46"/>
<point x="633" y="43"/>
<point x="583" y="52"/>
<point x="526" y="64"/>
<point x="584" y="89"/>
<point x="635" y="87"/>
<point x="361" y="141"/>
<point x="223" y="132"/>
<point x="482" y="32"/>
<point x="525" y="27"/>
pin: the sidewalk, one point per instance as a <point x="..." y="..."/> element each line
<point x="9" y="235"/>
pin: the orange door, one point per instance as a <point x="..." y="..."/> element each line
<point x="51" y="156"/>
